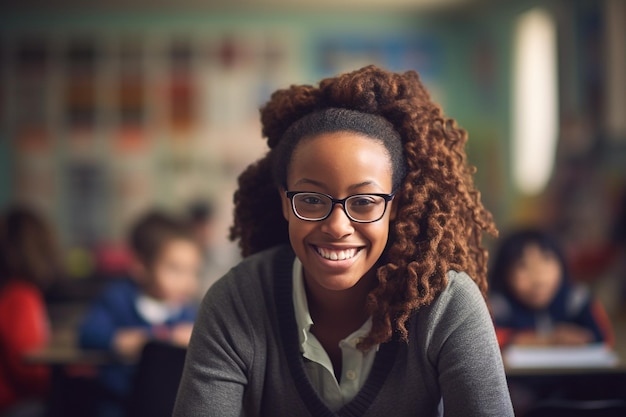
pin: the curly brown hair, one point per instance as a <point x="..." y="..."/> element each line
<point x="440" y="220"/>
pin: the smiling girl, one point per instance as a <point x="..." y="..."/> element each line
<point x="362" y="288"/>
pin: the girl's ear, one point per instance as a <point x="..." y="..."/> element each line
<point x="393" y="209"/>
<point x="286" y="203"/>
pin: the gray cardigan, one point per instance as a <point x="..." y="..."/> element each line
<point x="244" y="357"/>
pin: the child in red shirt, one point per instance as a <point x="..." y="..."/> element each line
<point x="27" y="262"/>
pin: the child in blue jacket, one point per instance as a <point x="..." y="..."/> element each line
<point x="155" y="302"/>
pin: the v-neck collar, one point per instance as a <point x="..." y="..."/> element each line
<point x="288" y="329"/>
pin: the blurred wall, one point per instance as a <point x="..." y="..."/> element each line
<point x="108" y="113"/>
<point x="148" y="106"/>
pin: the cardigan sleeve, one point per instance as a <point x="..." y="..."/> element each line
<point x="218" y="357"/>
<point x="465" y="352"/>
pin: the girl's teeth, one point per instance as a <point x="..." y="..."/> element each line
<point x="337" y="255"/>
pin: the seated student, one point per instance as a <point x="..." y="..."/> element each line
<point x="532" y="299"/>
<point x="28" y="262"/>
<point x="155" y="303"/>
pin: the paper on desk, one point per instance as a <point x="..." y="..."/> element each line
<point x="596" y="355"/>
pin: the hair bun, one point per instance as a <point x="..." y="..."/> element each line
<point x="285" y="107"/>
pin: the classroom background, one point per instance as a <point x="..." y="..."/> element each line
<point x="110" y="108"/>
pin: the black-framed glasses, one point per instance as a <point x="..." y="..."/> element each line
<point x="360" y="208"/>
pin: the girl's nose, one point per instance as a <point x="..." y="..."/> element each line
<point x="338" y="224"/>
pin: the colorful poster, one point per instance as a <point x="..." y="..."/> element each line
<point x="181" y="91"/>
<point x="80" y="84"/>
<point x="393" y="52"/>
<point x="131" y="98"/>
<point x="31" y="89"/>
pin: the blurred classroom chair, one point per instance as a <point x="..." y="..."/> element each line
<point x="579" y="408"/>
<point x="156" y="380"/>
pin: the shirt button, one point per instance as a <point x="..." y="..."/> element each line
<point x="351" y="375"/>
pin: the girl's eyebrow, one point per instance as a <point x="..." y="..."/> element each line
<point x="309" y="181"/>
<point x="364" y="184"/>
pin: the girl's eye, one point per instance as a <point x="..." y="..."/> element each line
<point x="366" y="204"/>
<point x="312" y="200"/>
<point x="362" y="201"/>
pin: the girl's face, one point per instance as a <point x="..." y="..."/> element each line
<point x="337" y="252"/>
<point x="535" y="277"/>
<point x="174" y="274"/>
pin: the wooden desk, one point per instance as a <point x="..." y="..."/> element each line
<point x="583" y="370"/>
<point x="70" y="355"/>
<point x="591" y="373"/>
<point x="530" y="385"/>
<point x="64" y="350"/>
<point x="528" y="389"/>
<point x="560" y="357"/>
<point x="75" y="389"/>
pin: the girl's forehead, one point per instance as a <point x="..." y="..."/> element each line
<point x="346" y="147"/>
<point x="341" y="140"/>
<point x="338" y="157"/>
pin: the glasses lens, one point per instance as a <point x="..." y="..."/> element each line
<point x="311" y="206"/>
<point x="365" y="207"/>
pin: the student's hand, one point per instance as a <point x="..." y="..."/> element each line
<point x="129" y="342"/>
<point x="570" y="334"/>
<point x="181" y="333"/>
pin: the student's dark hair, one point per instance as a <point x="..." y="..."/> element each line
<point x="511" y="249"/>
<point x="200" y="211"/>
<point x="440" y="219"/>
<point x="28" y="247"/>
<point x="153" y="231"/>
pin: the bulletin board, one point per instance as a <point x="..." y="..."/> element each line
<point x="105" y="124"/>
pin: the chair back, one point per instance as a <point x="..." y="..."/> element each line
<point x="156" y="380"/>
<point x="579" y="408"/>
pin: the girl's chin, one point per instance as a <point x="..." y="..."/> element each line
<point x="338" y="284"/>
<point x="335" y="278"/>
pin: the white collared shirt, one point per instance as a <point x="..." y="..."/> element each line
<point x="155" y="312"/>
<point x="356" y="364"/>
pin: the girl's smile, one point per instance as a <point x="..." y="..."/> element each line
<point x="336" y="260"/>
<point x="338" y="254"/>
